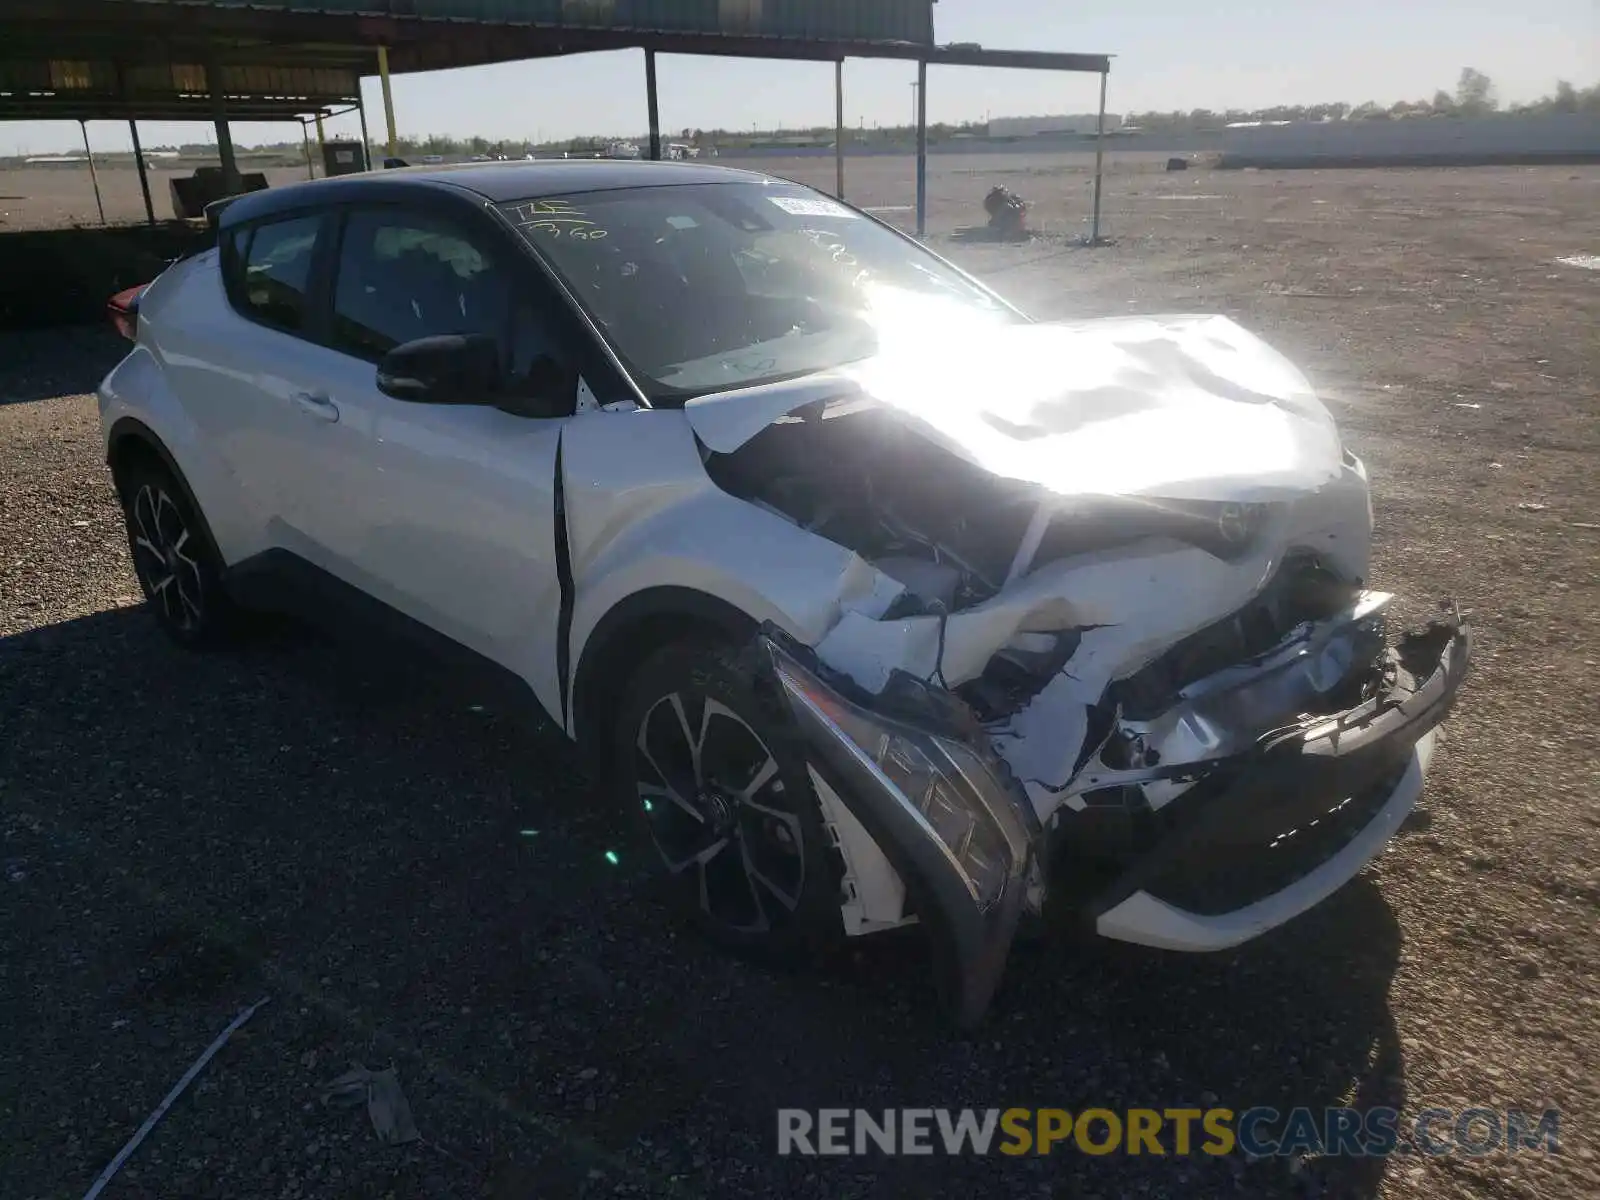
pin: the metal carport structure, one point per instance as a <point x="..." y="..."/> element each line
<point x="219" y="60"/>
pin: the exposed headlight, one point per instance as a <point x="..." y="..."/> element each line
<point x="949" y="792"/>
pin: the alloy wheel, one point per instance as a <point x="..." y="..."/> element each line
<point x="715" y="803"/>
<point x="163" y="549"/>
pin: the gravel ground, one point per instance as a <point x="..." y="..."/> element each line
<point x="417" y="879"/>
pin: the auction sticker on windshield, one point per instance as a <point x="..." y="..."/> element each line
<point x="804" y="206"/>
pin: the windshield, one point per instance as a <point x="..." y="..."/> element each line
<point x="703" y="287"/>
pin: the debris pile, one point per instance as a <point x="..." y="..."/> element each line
<point x="1008" y="213"/>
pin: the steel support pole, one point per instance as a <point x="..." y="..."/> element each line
<point x="322" y="143"/>
<point x="94" y="176"/>
<point x="838" y="128"/>
<point x="144" y="177"/>
<point x="305" y="136"/>
<point x="1099" y="158"/>
<point x="219" y="116"/>
<point x="388" y="100"/>
<point x="366" y="141"/>
<point x="922" y="148"/>
<point x="651" y="102"/>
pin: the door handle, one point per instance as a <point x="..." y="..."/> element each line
<point x="317" y="405"/>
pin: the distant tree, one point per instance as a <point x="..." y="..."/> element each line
<point x="1475" y="93"/>
<point x="1366" y="111"/>
<point x="1566" y="97"/>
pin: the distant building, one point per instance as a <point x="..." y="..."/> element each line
<point x="1078" y="123"/>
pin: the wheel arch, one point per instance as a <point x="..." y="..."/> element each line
<point x="129" y="442"/>
<point x="628" y="632"/>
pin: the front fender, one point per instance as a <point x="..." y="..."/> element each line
<point x="642" y="514"/>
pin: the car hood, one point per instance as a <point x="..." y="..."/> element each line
<point x="1177" y="407"/>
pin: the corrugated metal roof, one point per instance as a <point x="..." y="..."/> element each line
<point x="148" y="58"/>
<point x="820" y="20"/>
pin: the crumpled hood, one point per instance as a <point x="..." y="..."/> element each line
<point x="1177" y="407"/>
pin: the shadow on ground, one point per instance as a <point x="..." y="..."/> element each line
<point x="65" y="276"/>
<point x="64" y="361"/>
<point x="419" y="878"/>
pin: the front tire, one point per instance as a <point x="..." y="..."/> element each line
<point x="179" y="570"/>
<point x="722" y="801"/>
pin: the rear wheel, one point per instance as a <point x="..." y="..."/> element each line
<point x="724" y="804"/>
<point x="179" y="569"/>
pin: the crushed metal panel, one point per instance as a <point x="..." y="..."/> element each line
<point x="1219" y="415"/>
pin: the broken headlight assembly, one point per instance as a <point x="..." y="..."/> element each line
<point x="956" y="828"/>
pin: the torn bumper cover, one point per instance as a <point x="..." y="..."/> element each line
<point x="1280" y="828"/>
<point x="920" y="776"/>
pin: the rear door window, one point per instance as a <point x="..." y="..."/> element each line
<point x="270" y="270"/>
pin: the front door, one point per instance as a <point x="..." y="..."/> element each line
<point x="444" y="512"/>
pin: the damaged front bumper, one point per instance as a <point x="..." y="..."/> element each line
<point x="1283" y="826"/>
<point x="921" y="779"/>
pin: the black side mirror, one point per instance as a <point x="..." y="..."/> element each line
<point x="451" y="368"/>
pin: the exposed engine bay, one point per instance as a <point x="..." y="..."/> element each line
<point x="907" y="505"/>
<point x="856" y="476"/>
<point x="954" y="536"/>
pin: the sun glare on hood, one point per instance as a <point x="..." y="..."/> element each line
<point x="1120" y="406"/>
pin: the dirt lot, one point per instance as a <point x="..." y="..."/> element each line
<point x="53" y="197"/>
<point x="183" y="835"/>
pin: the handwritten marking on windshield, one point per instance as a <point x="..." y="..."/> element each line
<point x="827" y="242"/>
<point x="555" y="217"/>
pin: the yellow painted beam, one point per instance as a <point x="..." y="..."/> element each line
<point x="388" y="99"/>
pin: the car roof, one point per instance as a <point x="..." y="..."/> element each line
<point x="496" y="182"/>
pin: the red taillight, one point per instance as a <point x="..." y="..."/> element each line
<point x="123" y="309"/>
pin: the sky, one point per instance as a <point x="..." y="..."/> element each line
<point x="1169" y="54"/>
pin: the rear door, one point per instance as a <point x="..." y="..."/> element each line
<point x="444" y="512"/>
<point x="238" y="359"/>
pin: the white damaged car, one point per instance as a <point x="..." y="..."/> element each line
<point x="875" y="601"/>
